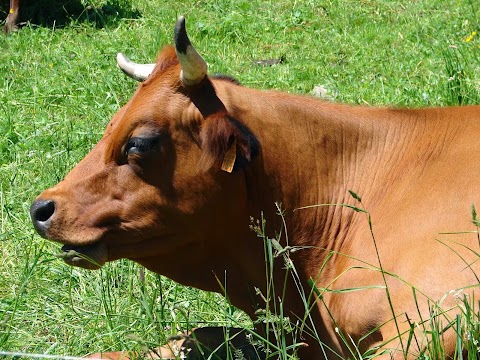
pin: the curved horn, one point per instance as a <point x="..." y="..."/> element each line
<point x="194" y="68"/>
<point x="139" y="72"/>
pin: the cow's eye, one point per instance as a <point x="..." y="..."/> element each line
<point x="140" y="145"/>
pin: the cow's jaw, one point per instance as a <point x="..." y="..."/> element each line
<point x="90" y="257"/>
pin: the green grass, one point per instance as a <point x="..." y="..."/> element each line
<point x="60" y="86"/>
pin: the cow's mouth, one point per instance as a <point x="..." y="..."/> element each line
<point x="90" y="257"/>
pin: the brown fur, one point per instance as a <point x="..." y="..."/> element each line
<point x="217" y="135"/>
<point x="165" y="60"/>
<point x="414" y="170"/>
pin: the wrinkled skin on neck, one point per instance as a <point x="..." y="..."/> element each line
<point x="152" y="190"/>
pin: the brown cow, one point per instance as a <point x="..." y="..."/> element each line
<point x="155" y="186"/>
<point x="12" y="17"/>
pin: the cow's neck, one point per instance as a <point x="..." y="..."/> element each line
<point x="307" y="157"/>
<point x="314" y="152"/>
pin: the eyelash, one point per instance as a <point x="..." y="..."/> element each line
<point x="141" y="144"/>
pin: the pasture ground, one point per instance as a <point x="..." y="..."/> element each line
<point x="59" y="86"/>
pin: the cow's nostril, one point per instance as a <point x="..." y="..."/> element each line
<point x="41" y="211"/>
<point x="45" y="211"/>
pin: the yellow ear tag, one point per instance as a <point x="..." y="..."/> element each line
<point x="230" y="157"/>
<point x="12" y="11"/>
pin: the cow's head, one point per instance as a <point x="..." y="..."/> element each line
<point x="154" y="189"/>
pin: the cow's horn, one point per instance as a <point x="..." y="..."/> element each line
<point x="194" y="68"/>
<point x="139" y="72"/>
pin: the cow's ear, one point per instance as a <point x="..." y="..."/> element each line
<point x="226" y="143"/>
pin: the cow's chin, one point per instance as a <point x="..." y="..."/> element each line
<point x="90" y="257"/>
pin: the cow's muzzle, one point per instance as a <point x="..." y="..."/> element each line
<point x="90" y="256"/>
<point x="41" y="213"/>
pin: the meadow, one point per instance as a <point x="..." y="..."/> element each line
<point x="60" y="86"/>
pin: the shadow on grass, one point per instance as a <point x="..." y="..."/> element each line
<point x="59" y="13"/>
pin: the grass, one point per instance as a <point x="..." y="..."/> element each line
<point x="60" y="86"/>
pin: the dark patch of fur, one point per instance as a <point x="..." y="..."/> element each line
<point x="248" y="146"/>
<point x="219" y="129"/>
<point x="205" y="98"/>
<point x="226" y="78"/>
<point x="217" y="135"/>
